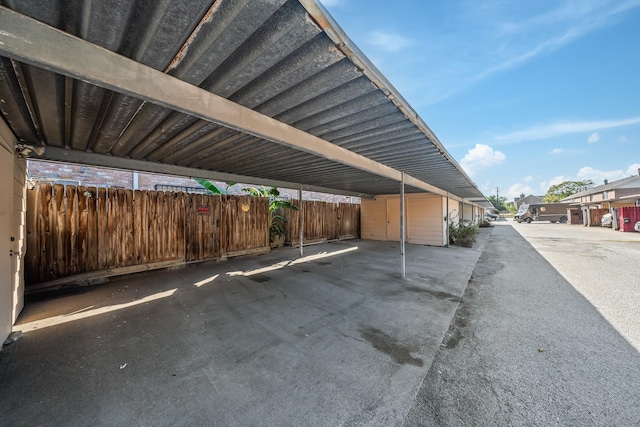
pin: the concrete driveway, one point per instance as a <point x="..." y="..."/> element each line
<point x="335" y="338"/>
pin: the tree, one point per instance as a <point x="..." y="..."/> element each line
<point x="498" y="202"/>
<point x="557" y="192"/>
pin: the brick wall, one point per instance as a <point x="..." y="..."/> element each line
<point x="83" y="175"/>
<point x="104" y="177"/>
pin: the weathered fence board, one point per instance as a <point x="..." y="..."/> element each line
<point x="348" y="220"/>
<point x="244" y="224"/>
<point x="92" y="229"/>
<point x="83" y="215"/>
<point x="45" y="232"/>
<point x="32" y="258"/>
<point x="322" y="221"/>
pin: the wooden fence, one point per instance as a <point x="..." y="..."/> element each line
<point x="73" y="230"/>
<point x="322" y="221"/>
<point x="595" y="216"/>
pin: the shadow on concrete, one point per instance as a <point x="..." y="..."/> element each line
<point x="335" y="338"/>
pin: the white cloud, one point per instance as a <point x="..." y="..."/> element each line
<point x="623" y="139"/>
<point x="557" y="180"/>
<point x="517" y="190"/>
<point x="481" y="157"/>
<point x="557" y="151"/>
<point x="387" y="41"/>
<point x="595" y="137"/>
<point x="544" y="185"/>
<point x="557" y="129"/>
<point x="633" y="169"/>
<point x="598" y="176"/>
<point x="528" y="178"/>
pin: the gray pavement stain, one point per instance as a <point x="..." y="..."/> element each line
<point x="259" y="278"/>
<point x="390" y="346"/>
<point x="436" y="294"/>
<point x="456" y="332"/>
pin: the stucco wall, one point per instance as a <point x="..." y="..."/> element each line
<point x="373" y="219"/>
<point x="18" y="232"/>
<point x="425" y="223"/>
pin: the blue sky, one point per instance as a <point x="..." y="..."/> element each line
<point x="522" y="94"/>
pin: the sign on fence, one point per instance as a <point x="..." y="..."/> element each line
<point x="203" y="210"/>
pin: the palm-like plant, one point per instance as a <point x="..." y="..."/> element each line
<point x="211" y="187"/>
<point x="276" y="221"/>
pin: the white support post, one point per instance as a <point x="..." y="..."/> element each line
<point x="447" y="213"/>
<point x="402" y="236"/>
<point x="300" y="219"/>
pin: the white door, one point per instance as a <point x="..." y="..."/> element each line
<point x="6" y="221"/>
<point x="393" y="220"/>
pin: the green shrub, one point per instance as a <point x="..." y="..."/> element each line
<point x="463" y="235"/>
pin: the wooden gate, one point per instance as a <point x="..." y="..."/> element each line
<point x="595" y="216"/>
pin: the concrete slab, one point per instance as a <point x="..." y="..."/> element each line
<point x="335" y="338"/>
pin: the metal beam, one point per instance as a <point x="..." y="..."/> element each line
<point x="30" y="41"/>
<point x="81" y="157"/>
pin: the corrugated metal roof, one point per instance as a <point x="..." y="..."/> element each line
<point x="285" y="59"/>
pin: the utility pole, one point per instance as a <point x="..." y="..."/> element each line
<point x="497" y="195"/>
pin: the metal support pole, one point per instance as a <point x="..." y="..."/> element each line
<point x="402" y="237"/>
<point x="448" y="221"/>
<point x="300" y="219"/>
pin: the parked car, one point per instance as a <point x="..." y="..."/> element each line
<point x="637" y="227"/>
<point x="490" y="216"/>
<point x="607" y="220"/>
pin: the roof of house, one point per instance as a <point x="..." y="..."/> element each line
<point x="624" y="182"/>
<point x="257" y="91"/>
<point x="529" y="197"/>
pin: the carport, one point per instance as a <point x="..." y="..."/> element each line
<point x="268" y="92"/>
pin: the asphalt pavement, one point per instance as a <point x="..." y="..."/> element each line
<point x="600" y="263"/>
<point x="333" y="338"/>
<point x="338" y="338"/>
<point x="526" y="348"/>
